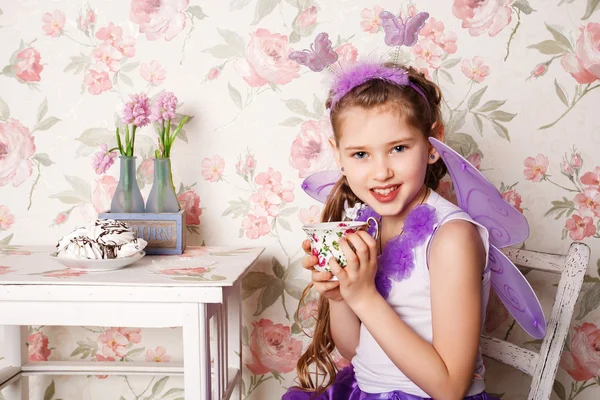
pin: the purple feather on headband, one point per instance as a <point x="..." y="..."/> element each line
<point x="363" y="72"/>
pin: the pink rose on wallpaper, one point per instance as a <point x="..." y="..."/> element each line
<point x="267" y="60"/>
<point x="6" y="218"/>
<point x="307" y="314"/>
<point x="103" y="193"/>
<point x="482" y="16"/>
<point x="157" y="355"/>
<point x="159" y="19"/>
<point x="107" y="57"/>
<point x="513" y="198"/>
<point x="539" y="70"/>
<point x="427" y="54"/>
<point x="125" y="46"/>
<point x="592" y="178"/>
<point x="112" y="343"/>
<point x="583" y="361"/>
<point x="84" y="21"/>
<point x="145" y="172"/>
<point x="587" y="50"/>
<point x="27" y="65"/>
<point x="110" y="33"/>
<point x="213" y="169"/>
<point x="535" y="168"/>
<point x="446" y="191"/>
<point x="5" y="270"/>
<point x="370" y="19"/>
<point x="256" y="227"/>
<point x="475" y="69"/>
<point x="310" y="216"/>
<point x="307" y="18"/>
<point x="496" y="314"/>
<point x="273" y="348"/>
<point x="265" y="203"/>
<point x="97" y="82"/>
<point x="64" y="273"/>
<point x="580" y="227"/>
<point x="37" y="346"/>
<point x="475" y="160"/>
<point x="16" y="148"/>
<point x="133" y="335"/>
<point x="53" y="23"/>
<point x="153" y="72"/>
<point x="213" y="73"/>
<point x="61" y="218"/>
<point x="269" y="178"/>
<point x="572" y="65"/>
<point x="347" y="54"/>
<point x="588" y="202"/>
<point x="310" y="151"/>
<point x="434" y="31"/>
<point x="190" y="202"/>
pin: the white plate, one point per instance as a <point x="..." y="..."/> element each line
<point x="98" y="265"/>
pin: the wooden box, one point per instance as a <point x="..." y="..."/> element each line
<point x="164" y="232"/>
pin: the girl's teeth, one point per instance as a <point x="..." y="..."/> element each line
<point x="385" y="191"/>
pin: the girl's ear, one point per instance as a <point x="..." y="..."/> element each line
<point x="336" y="153"/>
<point x="437" y="131"/>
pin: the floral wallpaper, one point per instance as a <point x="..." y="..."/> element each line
<point x="519" y="80"/>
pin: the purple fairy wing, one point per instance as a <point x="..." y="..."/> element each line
<point x="324" y="50"/>
<point x="393" y="28"/>
<point x="308" y="58"/>
<point x="516" y="294"/>
<point x="319" y="185"/>
<point x="412" y="27"/>
<point x="481" y="200"/>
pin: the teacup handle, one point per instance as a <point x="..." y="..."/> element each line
<point x="376" y="226"/>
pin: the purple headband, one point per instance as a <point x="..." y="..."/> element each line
<point x="360" y="73"/>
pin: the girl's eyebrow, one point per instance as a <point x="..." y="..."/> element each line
<point x="393" y="142"/>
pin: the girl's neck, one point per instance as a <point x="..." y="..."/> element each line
<point x="392" y="226"/>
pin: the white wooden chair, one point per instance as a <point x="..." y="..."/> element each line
<point x="542" y="366"/>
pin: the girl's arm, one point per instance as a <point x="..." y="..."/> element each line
<point x="443" y="369"/>
<point x="345" y="328"/>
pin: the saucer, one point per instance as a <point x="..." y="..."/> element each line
<point x="98" y="265"/>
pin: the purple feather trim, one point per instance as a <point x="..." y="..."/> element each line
<point x="363" y="72"/>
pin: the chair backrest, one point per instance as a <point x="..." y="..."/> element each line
<point x="542" y="366"/>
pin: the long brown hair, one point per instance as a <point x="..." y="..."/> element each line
<point x="421" y="112"/>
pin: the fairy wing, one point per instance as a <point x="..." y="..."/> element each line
<point x="324" y="49"/>
<point x="412" y="28"/>
<point x="393" y="28"/>
<point x="308" y="58"/>
<point x="319" y="185"/>
<point x="481" y="200"/>
<point x="319" y="56"/>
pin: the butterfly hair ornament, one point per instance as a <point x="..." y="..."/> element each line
<point x="476" y="195"/>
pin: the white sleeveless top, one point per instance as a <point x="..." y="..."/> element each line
<point x="410" y="298"/>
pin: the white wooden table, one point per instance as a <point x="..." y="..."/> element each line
<point x="155" y="292"/>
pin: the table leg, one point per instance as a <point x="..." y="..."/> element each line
<point x="196" y="352"/>
<point x="234" y="334"/>
<point x="16" y="354"/>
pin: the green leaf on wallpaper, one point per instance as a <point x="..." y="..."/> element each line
<point x="237" y="208"/>
<point x="500" y="130"/>
<point x="255" y="280"/>
<point x="591" y="7"/>
<point x="491" y="105"/>
<point x="295" y="287"/>
<point x="264" y="8"/>
<point x="559" y="36"/>
<point x="50" y="391"/>
<point x="296" y="328"/>
<point x="42" y="110"/>
<point x="559" y="389"/>
<point x="446" y="75"/>
<point x="524" y="6"/>
<point x="80" y="186"/>
<point x="159" y="385"/>
<point x="245" y="335"/>
<point x="589" y="301"/>
<point x="78" y="64"/>
<point x="284" y="224"/>
<point x="549" y="47"/>
<point x="561" y="93"/>
<point x="238" y="4"/>
<point x="235" y="95"/>
<point x="476" y="98"/>
<point x="234" y="40"/>
<point x="501" y="116"/>
<point x="462" y="143"/>
<point x="6" y="240"/>
<point x="134" y="352"/>
<point x="298" y="106"/>
<point x="451" y="62"/>
<point x="4" y="110"/>
<point x="269" y="296"/>
<point x="292" y="121"/>
<point x="196" y="12"/>
<point x="96" y="136"/>
<point x="278" y="269"/>
<point x="125" y="79"/>
<point x="286" y="212"/>
<point x="44" y="159"/>
<point x="68" y="197"/>
<point x="46" y="124"/>
<point x="318" y="106"/>
<point x="129" y="67"/>
<point x="478" y="123"/>
<point x="294" y="37"/>
<point x="456" y="122"/>
<point x="293" y="269"/>
<point x="562" y="208"/>
<point x="172" y="391"/>
<point x="223" y="51"/>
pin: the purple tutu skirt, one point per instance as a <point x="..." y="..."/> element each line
<point x="346" y="388"/>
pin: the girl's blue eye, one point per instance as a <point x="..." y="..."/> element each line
<point x="399" y="149"/>
<point x="360" y="154"/>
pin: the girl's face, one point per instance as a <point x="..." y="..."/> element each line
<point x="384" y="159"/>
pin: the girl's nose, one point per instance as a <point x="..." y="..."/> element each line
<point x="382" y="170"/>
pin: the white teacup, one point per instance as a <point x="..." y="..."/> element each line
<point x="324" y="240"/>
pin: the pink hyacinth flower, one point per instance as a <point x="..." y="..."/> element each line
<point x="137" y="111"/>
<point x="164" y="107"/>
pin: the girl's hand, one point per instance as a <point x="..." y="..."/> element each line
<point x="320" y="280"/>
<point x="357" y="280"/>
